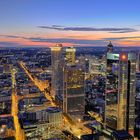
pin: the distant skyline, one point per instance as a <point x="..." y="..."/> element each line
<point x="71" y="22"/>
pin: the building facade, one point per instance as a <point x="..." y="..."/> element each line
<point x="70" y="55"/>
<point x="138" y="61"/>
<point x="73" y="95"/>
<point x="120" y="91"/>
<point x="56" y="60"/>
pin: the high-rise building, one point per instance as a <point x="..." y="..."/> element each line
<point x="70" y="55"/>
<point x="74" y="96"/>
<point x="120" y="91"/>
<point x="86" y="65"/>
<point x="137" y="105"/>
<point x="56" y="57"/>
<point x="138" y="61"/>
<point x="110" y="47"/>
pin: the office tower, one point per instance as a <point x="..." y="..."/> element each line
<point x="137" y="105"/>
<point x="138" y="61"/>
<point x="137" y="120"/>
<point x="86" y="65"/>
<point x="70" y="55"/>
<point x="73" y="96"/>
<point x="56" y="57"/>
<point x="120" y="91"/>
<point x="110" y="47"/>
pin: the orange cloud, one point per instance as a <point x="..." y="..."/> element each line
<point x="74" y="35"/>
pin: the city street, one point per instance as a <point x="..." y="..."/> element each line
<point x="77" y="129"/>
<point x="19" y="133"/>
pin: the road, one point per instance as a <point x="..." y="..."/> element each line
<point x="77" y="129"/>
<point x="19" y="133"/>
<point x="37" y="83"/>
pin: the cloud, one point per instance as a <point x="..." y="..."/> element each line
<point x="59" y="40"/>
<point x="111" y="30"/>
<point x="74" y="41"/>
<point x="125" y="31"/>
<point x="57" y="26"/>
<point x="122" y="38"/>
<point x="10" y="36"/>
<point x="68" y="40"/>
<point x="8" y="44"/>
<point x="138" y="25"/>
<point x="13" y="36"/>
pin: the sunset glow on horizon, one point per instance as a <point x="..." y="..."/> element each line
<point x="72" y="23"/>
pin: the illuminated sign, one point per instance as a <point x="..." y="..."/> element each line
<point x="112" y="56"/>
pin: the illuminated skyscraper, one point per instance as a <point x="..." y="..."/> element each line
<point x="74" y="96"/>
<point x="120" y="91"/>
<point x="56" y="57"/>
<point x="86" y="65"/>
<point x="138" y="61"/>
<point x="70" y="55"/>
<point x="110" y="47"/>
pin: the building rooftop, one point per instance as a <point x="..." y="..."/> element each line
<point x="121" y="135"/>
<point x="91" y="136"/>
<point x="53" y="109"/>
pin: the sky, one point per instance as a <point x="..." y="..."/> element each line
<point x="43" y="23"/>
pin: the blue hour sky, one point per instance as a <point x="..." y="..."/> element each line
<point x="71" y="22"/>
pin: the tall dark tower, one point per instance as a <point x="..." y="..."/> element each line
<point x="110" y="47"/>
<point x="120" y="91"/>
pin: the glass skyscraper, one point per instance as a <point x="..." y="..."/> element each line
<point x="74" y="96"/>
<point x="70" y="55"/>
<point x="120" y="91"/>
<point x="57" y="68"/>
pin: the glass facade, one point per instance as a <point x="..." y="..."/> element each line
<point x="120" y="91"/>
<point x="70" y="55"/>
<point x="132" y="58"/>
<point x="57" y="69"/>
<point x="73" y="99"/>
<point x="112" y="93"/>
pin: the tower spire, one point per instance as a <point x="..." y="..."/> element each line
<point x="110" y="47"/>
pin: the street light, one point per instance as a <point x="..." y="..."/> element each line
<point x="79" y="136"/>
<point x="79" y="120"/>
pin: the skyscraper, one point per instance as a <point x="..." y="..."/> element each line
<point x="86" y="65"/>
<point x="56" y="57"/>
<point x="120" y="91"/>
<point x="110" y="47"/>
<point x="70" y="55"/>
<point x="138" y="61"/>
<point x="74" y="96"/>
